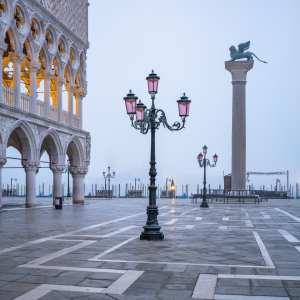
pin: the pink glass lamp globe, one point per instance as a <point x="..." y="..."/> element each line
<point x="114" y="173"/>
<point x="215" y="157"/>
<point x="184" y="106"/>
<point x="130" y="103"/>
<point x="140" y="111"/>
<point x="205" y="149"/>
<point x="200" y="158"/>
<point x="108" y="169"/>
<point x="152" y="80"/>
<point x="104" y="174"/>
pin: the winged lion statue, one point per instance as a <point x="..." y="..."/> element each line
<point x="239" y="54"/>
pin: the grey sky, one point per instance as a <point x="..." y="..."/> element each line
<point x="186" y="43"/>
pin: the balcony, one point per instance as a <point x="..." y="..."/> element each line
<point x="8" y="98"/>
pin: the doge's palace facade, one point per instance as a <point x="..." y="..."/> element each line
<point x="44" y="42"/>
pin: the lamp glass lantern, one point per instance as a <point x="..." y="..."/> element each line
<point x="103" y="174"/>
<point x="215" y="157"/>
<point x="184" y="106"/>
<point x="152" y="80"/>
<point x="114" y="173"/>
<point x="200" y="158"/>
<point x="204" y="149"/>
<point x="130" y="103"/>
<point x="172" y="185"/>
<point x="140" y="111"/>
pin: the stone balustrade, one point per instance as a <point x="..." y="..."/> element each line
<point x="8" y="99"/>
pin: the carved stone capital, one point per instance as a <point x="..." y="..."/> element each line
<point x="58" y="168"/>
<point x="33" y="66"/>
<point x="3" y="161"/>
<point x="239" y="69"/>
<point x="59" y="79"/>
<point x="16" y="57"/>
<point x="80" y="92"/>
<point x="78" y="171"/>
<point x="30" y="166"/>
<point x="70" y="87"/>
<point x="47" y="73"/>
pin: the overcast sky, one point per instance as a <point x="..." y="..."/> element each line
<point x="186" y="43"/>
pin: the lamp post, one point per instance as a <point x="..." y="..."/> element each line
<point x="11" y="182"/>
<point x="247" y="178"/>
<point x="167" y="179"/>
<point x="203" y="163"/>
<point x="68" y="170"/>
<point x="108" y="176"/>
<point x="150" y="119"/>
<point x="173" y="188"/>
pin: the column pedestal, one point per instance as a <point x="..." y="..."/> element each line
<point x="57" y="180"/>
<point x="78" y="175"/>
<point x="238" y="70"/>
<point x="31" y="170"/>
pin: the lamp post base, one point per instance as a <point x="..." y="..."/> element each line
<point x="152" y="233"/>
<point x="204" y="205"/>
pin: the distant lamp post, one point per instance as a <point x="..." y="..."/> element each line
<point x="11" y="182"/>
<point x="150" y="119"/>
<point x="247" y="178"/>
<point x="68" y="170"/>
<point x="109" y="176"/>
<point x="173" y="188"/>
<point x="203" y="162"/>
<point x="167" y="180"/>
<point x="136" y="179"/>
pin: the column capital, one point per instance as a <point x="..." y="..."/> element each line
<point x="59" y="79"/>
<point x="47" y="73"/>
<point x="33" y="66"/>
<point x="239" y="69"/>
<point x="57" y="168"/>
<point x="16" y="57"/>
<point x="3" y="161"/>
<point x="70" y="87"/>
<point x="78" y="171"/>
<point x="80" y="92"/>
<point x="30" y="166"/>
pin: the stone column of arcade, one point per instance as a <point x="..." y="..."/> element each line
<point x="17" y="59"/>
<point x="31" y="169"/>
<point x="3" y="47"/>
<point x="47" y="74"/>
<point x="79" y="94"/>
<point x="57" y="180"/>
<point x="238" y="70"/>
<point x="70" y="88"/>
<point x="3" y="161"/>
<point x="78" y="175"/>
<point x="33" y="67"/>
<point x="58" y="103"/>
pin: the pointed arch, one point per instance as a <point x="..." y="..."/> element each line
<point x="69" y="73"/>
<point x="75" y="152"/>
<point x="50" y="142"/>
<point x="21" y="136"/>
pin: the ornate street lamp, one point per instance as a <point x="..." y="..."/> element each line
<point x="109" y="176"/>
<point x="150" y="119"/>
<point x="203" y="163"/>
<point x="173" y="188"/>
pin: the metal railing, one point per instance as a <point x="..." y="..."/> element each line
<point x="53" y="113"/>
<point x="8" y="96"/>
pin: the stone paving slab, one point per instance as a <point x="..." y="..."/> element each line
<point x="92" y="251"/>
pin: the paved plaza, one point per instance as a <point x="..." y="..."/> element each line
<point x="93" y="251"/>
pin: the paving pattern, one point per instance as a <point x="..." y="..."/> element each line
<point x="93" y="251"/>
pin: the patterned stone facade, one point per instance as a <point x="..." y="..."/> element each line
<point x="72" y="13"/>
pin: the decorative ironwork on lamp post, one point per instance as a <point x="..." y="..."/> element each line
<point x="108" y="176"/>
<point x="203" y="163"/>
<point x="150" y="119"/>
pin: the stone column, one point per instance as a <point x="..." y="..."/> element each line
<point x="238" y="70"/>
<point x="57" y="180"/>
<point x="59" y="85"/>
<point x="33" y="67"/>
<point x="31" y="169"/>
<point x="70" y="88"/>
<point x="3" y="161"/>
<point x="47" y="74"/>
<point x="79" y="94"/>
<point x="78" y="175"/>
<point x="17" y="59"/>
<point x="3" y="47"/>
